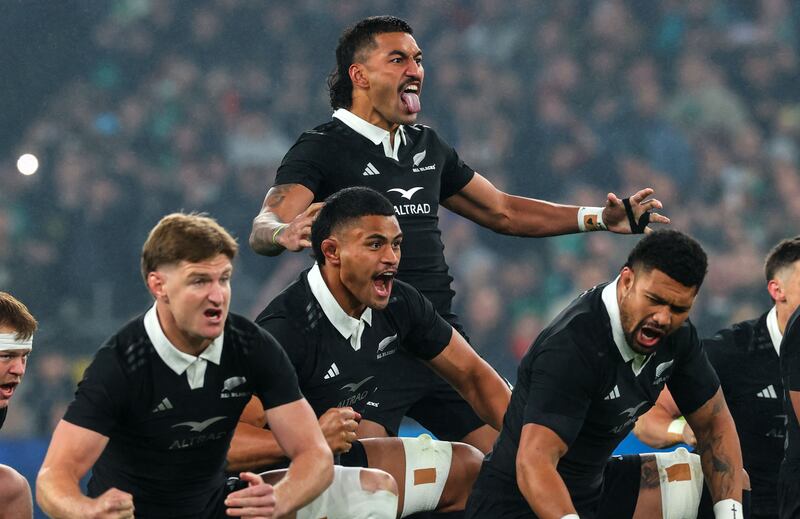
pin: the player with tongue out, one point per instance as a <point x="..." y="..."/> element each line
<point x="374" y="140"/>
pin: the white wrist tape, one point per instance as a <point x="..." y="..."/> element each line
<point x="677" y="426"/>
<point x="571" y="516"/>
<point x="728" y="509"/>
<point x="9" y="341"/>
<point x="591" y="219"/>
<point x="427" y="468"/>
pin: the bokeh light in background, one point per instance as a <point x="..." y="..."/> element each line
<point x="27" y="164"/>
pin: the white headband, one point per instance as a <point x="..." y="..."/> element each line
<point x="9" y="341"/>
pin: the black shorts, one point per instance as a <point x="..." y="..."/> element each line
<point x="415" y="390"/>
<point x="788" y="497"/>
<point x="617" y="499"/>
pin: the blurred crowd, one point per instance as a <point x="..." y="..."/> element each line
<point x="190" y="105"/>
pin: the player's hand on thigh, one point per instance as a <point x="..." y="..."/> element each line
<point x="296" y="236"/>
<point x="339" y="426"/>
<point x="615" y="214"/>
<point x="112" y="504"/>
<point x="257" y="500"/>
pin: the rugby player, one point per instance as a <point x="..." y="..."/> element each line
<point x="746" y="359"/>
<point x="17" y="327"/>
<point x="344" y="324"/>
<point x="372" y="140"/>
<point x="588" y="376"/>
<point x="154" y="414"/>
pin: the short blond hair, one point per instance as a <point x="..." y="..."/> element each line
<point x="16" y="315"/>
<point x="185" y="237"/>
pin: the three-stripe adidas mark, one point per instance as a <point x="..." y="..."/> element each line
<point x="767" y="392"/>
<point x="332" y="372"/>
<point x="370" y="170"/>
<point x="613" y="394"/>
<point x="163" y="406"/>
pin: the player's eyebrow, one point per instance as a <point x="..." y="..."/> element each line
<point x="675" y="308"/>
<point x="403" y="54"/>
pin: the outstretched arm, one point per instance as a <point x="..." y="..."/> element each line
<point x="474" y="379"/>
<point x="284" y="221"/>
<point x="483" y="203"/>
<point x="718" y="446"/>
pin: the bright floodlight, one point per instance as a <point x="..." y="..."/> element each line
<point x="27" y="164"/>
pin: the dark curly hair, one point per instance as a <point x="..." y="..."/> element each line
<point x="785" y="253"/>
<point x="672" y="252"/>
<point x="353" y="41"/>
<point x="342" y="207"/>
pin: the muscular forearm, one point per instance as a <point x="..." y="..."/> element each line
<point x="544" y="490"/>
<point x="265" y="226"/>
<point x="59" y="496"/>
<point x="537" y="218"/>
<point x="652" y="429"/>
<point x="253" y="448"/>
<point x="721" y="456"/>
<point x="489" y="396"/>
<point x="308" y="476"/>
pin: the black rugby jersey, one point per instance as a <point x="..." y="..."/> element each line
<point x="574" y="381"/>
<point x="330" y="371"/>
<point x="790" y="375"/>
<point x="3" y="412"/>
<point x="167" y="442"/>
<point x="749" y="373"/>
<point x="333" y="156"/>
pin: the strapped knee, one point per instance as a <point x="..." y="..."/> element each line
<point x="427" y="468"/>
<point x="681" y="478"/>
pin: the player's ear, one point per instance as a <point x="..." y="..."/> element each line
<point x="626" y="277"/>
<point x="358" y="75"/>
<point x="330" y="249"/>
<point x="156" y="285"/>
<point x="776" y="291"/>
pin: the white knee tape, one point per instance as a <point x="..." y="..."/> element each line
<point x="345" y="499"/>
<point x="681" y="475"/>
<point x="427" y="469"/>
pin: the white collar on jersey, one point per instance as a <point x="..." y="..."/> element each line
<point x="373" y="133"/>
<point x="350" y="327"/>
<point x="178" y="361"/>
<point x="774" y="331"/>
<point x="612" y="307"/>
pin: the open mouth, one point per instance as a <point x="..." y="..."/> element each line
<point x="383" y="283"/>
<point x="409" y="95"/>
<point x="7" y="390"/>
<point x="213" y="314"/>
<point x="648" y="336"/>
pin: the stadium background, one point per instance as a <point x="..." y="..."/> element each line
<point x="136" y="108"/>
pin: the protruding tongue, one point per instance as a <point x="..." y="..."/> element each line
<point x="411" y="101"/>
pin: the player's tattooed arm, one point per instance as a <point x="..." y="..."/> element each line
<point x="284" y="221"/>
<point x="718" y="446"/>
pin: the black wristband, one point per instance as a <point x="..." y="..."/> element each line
<point x="641" y="225"/>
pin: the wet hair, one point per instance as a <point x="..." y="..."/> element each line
<point x="14" y="314"/>
<point x="185" y="237"/>
<point x="674" y="253"/>
<point x="341" y="208"/>
<point x="352" y="43"/>
<point x="782" y="255"/>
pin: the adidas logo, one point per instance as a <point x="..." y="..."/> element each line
<point x="332" y="372"/>
<point x="163" y="406"/>
<point x="767" y="392"/>
<point x="613" y="394"/>
<point x="370" y="170"/>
